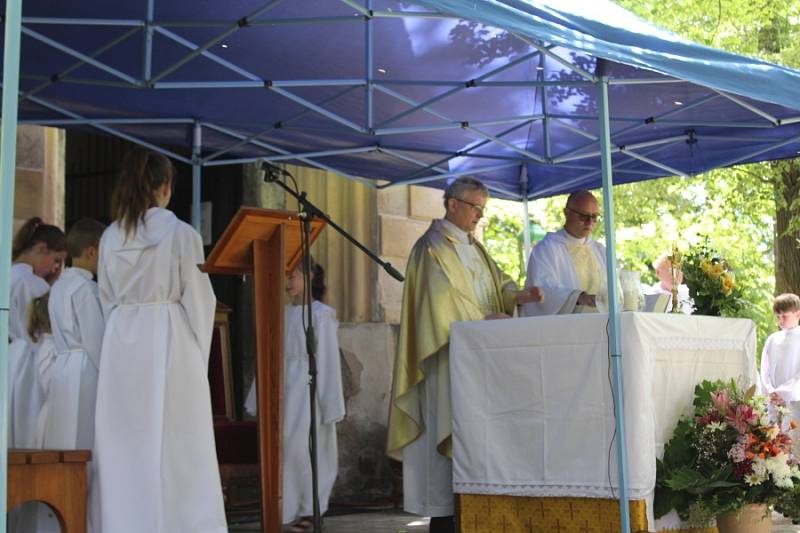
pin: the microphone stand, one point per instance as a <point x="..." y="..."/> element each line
<point x="307" y="212"/>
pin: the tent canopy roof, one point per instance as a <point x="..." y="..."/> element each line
<point x="408" y="92"/>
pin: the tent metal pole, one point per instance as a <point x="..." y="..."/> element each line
<point x="321" y="110"/>
<point x="468" y="172"/>
<point x="540" y="75"/>
<point x="369" y="30"/>
<point x="254" y="136"/>
<point x="289" y="156"/>
<point x="113" y="121"/>
<point x="79" y="55"/>
<point x="613" y="304"/>
<point x="526" y="231"/>
<point x="233" y="28"/>
<point x="147" y="66"/>
<point x="62" y="74"/>
<point x="459" y="124"/>
<point x="213" y="57"/>
<point x="458" y="89"/>
<point x="197" y="168"/>
<point x="8" y="163"/>
<point x="111" y="131"/>
<point x="278" y="149"/>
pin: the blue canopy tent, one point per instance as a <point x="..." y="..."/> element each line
<point x="535" y="97"/>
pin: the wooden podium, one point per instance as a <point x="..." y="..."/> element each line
<point x="266" y="244"/>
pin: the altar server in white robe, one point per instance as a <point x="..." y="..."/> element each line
<point x="780" y="360"/>
<point x="568" y="265"/>
<point x="38" y="253"/>
<point x="664" y="285"/>
<point x="77" y="321"/>
<point x="330" y="409"/>
<point x="449" y="278"/>
<point x="154" y="443"/>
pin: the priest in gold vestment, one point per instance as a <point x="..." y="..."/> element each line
<point x="449" y="278"/>
<point x="569" y="266"/>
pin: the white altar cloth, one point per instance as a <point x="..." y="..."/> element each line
<point x="532" y="406"/>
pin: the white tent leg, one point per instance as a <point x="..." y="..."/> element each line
<point x="613" y="304"/>
<point x="8" y="163"/>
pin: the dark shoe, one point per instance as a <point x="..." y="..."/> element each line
<point x="442" y="524"/>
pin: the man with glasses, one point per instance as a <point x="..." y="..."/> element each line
<point x="568" y="266"/>
<point x="449" y="278"/>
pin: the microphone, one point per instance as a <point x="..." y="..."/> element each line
<point x="271" y="172"/>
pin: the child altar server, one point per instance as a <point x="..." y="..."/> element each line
<point x="156" y="463"/>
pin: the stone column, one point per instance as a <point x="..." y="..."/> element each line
<point x="40" y="177"/>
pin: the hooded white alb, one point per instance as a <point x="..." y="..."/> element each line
<point x="155" y="456"/>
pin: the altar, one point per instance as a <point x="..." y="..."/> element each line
<point x="533" y="413"/>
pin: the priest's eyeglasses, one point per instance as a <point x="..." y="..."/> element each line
<point x="586" y="217"/>
<point x="477" y="207"/>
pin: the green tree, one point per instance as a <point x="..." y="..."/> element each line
<point x="769" y="30"/>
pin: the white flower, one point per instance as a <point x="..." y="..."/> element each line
<point x="752" y="479"/>
<point x="759" y="469"/>
<point x="778" y="467"/>
<point x="717" y="426"/>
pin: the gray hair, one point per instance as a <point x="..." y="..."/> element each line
<point x="461" y="186"/>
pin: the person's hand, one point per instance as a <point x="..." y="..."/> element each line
<point x="529" y="295"/>
<point x="496" y="316"/>
<point x="588" y="300"/>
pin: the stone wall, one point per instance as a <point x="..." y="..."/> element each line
<point x="39" y="184"/>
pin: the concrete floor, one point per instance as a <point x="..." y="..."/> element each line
<point x="391" y="521"/>
<point x="396" y="521"/>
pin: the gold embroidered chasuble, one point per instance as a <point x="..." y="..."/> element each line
<point x="438" y="291"/>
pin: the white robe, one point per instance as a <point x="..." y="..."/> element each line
<point x="297" y="490"/>
<point x="77" y="322"/>
<point x="551" y="268"/>
<point x="780" y="368"/>
<point x="156" y="462"/>
<point x="25" y="392"/>
<point x="45" y="357"/>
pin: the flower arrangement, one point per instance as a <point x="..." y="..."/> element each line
<point x="711" y="281"/>
<point x="733" y="451"/>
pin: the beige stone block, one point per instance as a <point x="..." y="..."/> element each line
<point x="393" y="201"/>
<point x="30" y="147"/>
<point x="390" y="291"/>
<point x="29" y="189"/>
<point x="398" y="235"/>
<point x="368" y="349"/>
<point x="426" y="203"/>
<point x="54" y="208"/>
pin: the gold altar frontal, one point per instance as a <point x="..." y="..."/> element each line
<point x="480" y="513"/>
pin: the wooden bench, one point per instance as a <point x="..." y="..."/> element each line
<point x="55" y="477"/>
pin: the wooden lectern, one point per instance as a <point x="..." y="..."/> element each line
<point x="266" y="244"/>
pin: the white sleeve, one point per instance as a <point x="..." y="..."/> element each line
<point x="329" y="369"/>
<point x="543" y="272"/>
<point x="197" y="296"/>
<point x="105" y="293"/>
<point x="765" y="385"/>
<point x="90" y="321"/>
